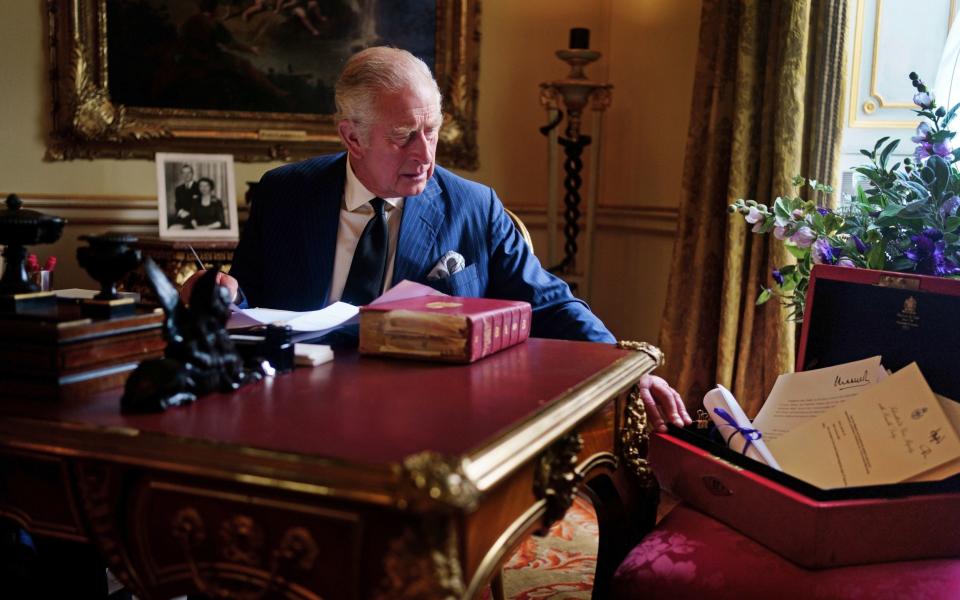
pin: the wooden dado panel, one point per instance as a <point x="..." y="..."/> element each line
<point x="633" y="245"/>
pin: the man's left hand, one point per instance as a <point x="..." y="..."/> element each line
<point x="662" y="403"/>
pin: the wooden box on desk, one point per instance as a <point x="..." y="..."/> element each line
<point x="64" y="353"/>
<point x="851" y="314"/>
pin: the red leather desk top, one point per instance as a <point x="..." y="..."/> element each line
<point x="364" y="409"/>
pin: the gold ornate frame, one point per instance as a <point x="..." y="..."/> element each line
<point x="87" y="124"/>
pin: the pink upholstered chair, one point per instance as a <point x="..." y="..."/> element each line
<point x="691" y="555"/>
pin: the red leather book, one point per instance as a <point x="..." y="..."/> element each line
<point x="447" y="328"/>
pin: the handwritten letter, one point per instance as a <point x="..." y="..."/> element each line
<point x="888" y="433"/>
<point x="798" y="397"/>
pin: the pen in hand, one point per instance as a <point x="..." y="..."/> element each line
<point x="196" y="257"/>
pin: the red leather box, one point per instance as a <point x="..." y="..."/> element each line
<point x="851" y="314"/>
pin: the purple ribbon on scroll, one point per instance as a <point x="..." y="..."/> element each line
<point x="748" y="433"/>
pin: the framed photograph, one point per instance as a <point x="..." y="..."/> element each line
<point x="196" y="196"/>
<point x="253" y="78"/>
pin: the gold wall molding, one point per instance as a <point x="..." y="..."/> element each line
<point x="874" y="89"/>
<point x="141" y="210"/>
<point x="643" y="219"/>
<point x="874" y="100"/>
<point x="137" y="212"/>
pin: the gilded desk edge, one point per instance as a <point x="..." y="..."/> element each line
<point x="423" y="481"/>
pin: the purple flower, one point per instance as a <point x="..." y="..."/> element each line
<point x="823" y="211"/>
<point x="928" y="253"/>
<point x="949" y="207"/>
<point x="756" y="217"/>
<point x="942" y="149"/>
<point x="923" y="133"/>
<point x="845" y="262"/>
<point x="780" y="232"/>
<point x="777" y="276"/>
<point x="924" y="150"/>
<point x="923" y="100"/>
<point x="803" y="237"/>
<point x="823" y="253"/>
<point x="797" y="214"/>
<point x="862" y="247"/>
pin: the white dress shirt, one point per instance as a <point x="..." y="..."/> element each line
<point x="355" y="211"/>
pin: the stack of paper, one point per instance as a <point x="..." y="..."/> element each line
<point x="306" y="325"/>
<point x="854" y="425"/>
<point x="316" y="323"/>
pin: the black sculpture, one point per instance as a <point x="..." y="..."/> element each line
<point x="200" y="357"/>
<point x="19" y="228"/>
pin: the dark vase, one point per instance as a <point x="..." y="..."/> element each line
<point x="107" y="259"/>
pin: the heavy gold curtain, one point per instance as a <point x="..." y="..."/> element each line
<point x="766" y="105"/>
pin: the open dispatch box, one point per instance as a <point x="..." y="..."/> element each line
<point x="851" y="314"/>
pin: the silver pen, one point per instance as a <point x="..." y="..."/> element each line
<point x="197" y="258"/>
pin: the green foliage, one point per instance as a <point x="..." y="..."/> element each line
<point x="904" y="219"/>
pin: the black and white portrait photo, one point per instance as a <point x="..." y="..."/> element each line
<point x="197" y="197"/>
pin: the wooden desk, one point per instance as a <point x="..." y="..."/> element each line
<point x="361" y="478"/>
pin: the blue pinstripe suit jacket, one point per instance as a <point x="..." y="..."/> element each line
<point x="286" y="251"/>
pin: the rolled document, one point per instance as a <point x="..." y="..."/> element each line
<point x="735" y="427"/>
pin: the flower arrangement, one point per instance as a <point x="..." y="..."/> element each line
<point x="905" y="219"/>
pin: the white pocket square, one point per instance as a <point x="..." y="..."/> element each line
<point x="451" y="262"/>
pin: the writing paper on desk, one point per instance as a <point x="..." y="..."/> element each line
<point x="798" y="397"/>
<point x="737" y="435"/>
<point x="889" y="432"/>
<point x="327" y="318"/>
<point x="313" y="321"/>
<point x="317" y="323"/>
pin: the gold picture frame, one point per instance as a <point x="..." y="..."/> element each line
<point x="88" y="123"/>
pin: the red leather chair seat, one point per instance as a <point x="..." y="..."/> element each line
<point x="691" y="555"/>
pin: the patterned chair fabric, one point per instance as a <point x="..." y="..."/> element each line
<point x="691" y="555"/>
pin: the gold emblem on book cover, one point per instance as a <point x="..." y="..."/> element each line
<point x="442" y="304"/>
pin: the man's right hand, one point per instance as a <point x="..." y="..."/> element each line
<point x="222" y="279"/>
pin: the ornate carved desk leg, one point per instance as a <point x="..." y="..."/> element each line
<point x="626" y="501"/>
<point x="556" y="479"/>
<point x="95" y="483"/>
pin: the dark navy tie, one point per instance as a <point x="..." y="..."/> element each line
<point x="369" y="266"/>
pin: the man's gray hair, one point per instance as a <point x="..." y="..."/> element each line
<point x="369" y="74"/>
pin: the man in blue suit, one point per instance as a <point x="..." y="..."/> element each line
<point x="350" y="225"/>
